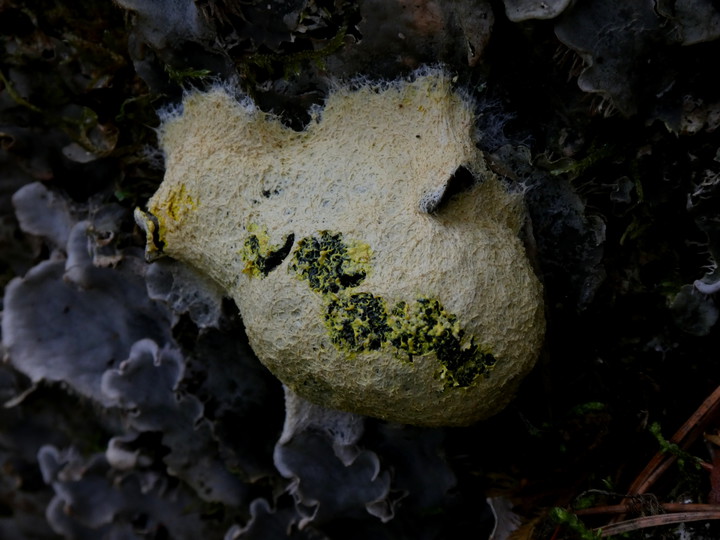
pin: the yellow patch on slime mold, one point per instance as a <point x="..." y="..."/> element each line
<point x="170" y="211"/>
<point x="387" y="277"/>
<point x="259" y="254"/>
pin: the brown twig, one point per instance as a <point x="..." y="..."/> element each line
<point x="684" y="437"/>
<point x="656" y="520"/>
<point x="688" y="433"/>
<point x="670" y="508"/>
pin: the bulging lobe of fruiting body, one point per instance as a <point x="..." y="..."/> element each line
<point x="374" y="258"/>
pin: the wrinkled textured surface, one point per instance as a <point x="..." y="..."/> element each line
<point x="256" y="191"/>
<point x="44" y="310"/>
<point x="621" y="184"/>
<point x="145" y="386"/>
<point x="89" y="503"/>
<point x="304" y="441"/>
<point x="185" y="291"/>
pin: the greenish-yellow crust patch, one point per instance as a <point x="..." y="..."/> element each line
<point x="357" y="322"/>
<point x="174" y="208"/>
<point x="362" y="322"/>
<point x="425" y="326"/>
<point x="259" y="255"/>
<point x="329" y="264"/>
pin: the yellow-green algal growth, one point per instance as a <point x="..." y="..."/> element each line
<point x="329" y="264"/>
<point x="260" y="256"/>
<point x="387" y="277"/>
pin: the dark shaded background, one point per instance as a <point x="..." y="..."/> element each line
<point x="128" y="416"/>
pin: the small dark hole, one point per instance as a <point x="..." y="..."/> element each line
<point x="275" y="258"/>
<point x="462" y="180"/>
<point x="351" y="280"/>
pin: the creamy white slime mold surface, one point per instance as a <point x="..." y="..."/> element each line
<point x="373" y="256"/>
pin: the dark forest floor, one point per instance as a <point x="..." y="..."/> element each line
<point x="606" y="113"/>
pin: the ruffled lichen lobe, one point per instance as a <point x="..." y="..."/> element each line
<point x="367" y="280"/>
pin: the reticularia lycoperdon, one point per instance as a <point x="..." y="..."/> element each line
<point x="373" y="256"/>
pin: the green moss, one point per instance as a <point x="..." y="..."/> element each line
<point x="573" y="523"/>
<point x="180" y="76"/>
<point x="329" y="264"/>
<point x="290" y="63"/>
<point x="260" y="256"/>
<point x="685" y="460"/>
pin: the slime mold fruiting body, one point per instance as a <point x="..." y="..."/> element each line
<point x="374" y="258"/>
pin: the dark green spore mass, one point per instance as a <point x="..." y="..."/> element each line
<point x="425" y="326"/>
<point x="361" y="322"/>
<point x="420" y="327"/>
<point x="326" y="264"/>
<point x="464" y="365"/>
<point x="357" y="322"/>
<point x="265" y="263"/>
